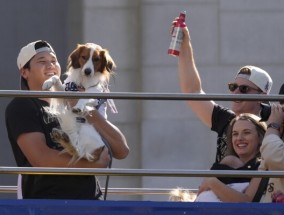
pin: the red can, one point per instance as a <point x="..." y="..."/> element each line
<point x="177" y="35"/>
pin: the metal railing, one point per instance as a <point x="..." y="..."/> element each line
<point x="138" y="172"/>
<point x="143" y="96"/>
<point x="119" y="191"/>
<point x="134" y="172"/>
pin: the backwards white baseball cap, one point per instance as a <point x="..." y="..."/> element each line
<point x="257" y="76"/>
<point x="28" y="52"/>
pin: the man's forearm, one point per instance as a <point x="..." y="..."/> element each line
<point x="111" y="134"/>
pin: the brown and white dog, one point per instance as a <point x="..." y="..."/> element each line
<point x="89" y="67"/>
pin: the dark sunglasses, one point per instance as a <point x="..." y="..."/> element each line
<point x="242" y="88"/>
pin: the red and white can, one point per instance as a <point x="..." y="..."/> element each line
<point x="177" y="35"/>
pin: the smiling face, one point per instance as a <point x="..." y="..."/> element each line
<point x="245" y="140"/>
<point x="246" y="106"/>
<point x="42" y="66"/>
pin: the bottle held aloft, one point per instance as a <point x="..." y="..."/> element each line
<point x="177" y="35"/>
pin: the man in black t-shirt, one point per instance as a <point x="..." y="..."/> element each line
<point x="29" y="125"/>
<point x="249" y="80"/>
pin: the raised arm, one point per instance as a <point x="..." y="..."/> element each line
<point x="190" y="81"/>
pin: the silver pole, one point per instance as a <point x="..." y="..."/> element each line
<point x="139" y="172"/>
<point x="142" y="96"/>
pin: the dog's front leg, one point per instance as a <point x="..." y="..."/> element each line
<point x="86" y="104"/>
<point x="53" y="81"/>
<point x="80" y="106"/>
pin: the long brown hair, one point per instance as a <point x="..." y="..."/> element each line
<point x="260" y="128"/>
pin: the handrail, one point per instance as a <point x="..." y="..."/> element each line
<point x="142" y="96"/>
<point x="8" y="189"/>
<point x="121" y="191"/>
<point x="139" y="172"/>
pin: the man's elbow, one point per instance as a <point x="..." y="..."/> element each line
<point x="121" y="154"/>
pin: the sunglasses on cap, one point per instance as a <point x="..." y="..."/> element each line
<point x="242" y="88"/>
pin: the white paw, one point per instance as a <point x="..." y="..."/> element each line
<point x="47" y="84"/>
<point x="54" y="80"/>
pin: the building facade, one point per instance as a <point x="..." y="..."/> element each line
<point x="226" y="34"/>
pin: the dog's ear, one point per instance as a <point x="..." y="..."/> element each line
<point x="110" y="66"/>
<point x="73" y="59"/>
<point x="108" y="62"/>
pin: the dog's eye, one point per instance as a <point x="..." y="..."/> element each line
<point x="84" y="57"/>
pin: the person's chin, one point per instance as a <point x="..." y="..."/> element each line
<point x="236" y="106"/>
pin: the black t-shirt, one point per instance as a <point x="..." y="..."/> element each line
<point x="24" y="115"/>
<point x="221" y="118"/>
<point x="250" y="165"/>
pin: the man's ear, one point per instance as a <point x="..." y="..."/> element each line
<point x="23" y="73"/>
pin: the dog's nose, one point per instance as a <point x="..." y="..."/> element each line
<point x="88" y="71"/>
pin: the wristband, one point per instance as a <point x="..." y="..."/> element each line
<point x="274" y="125"/>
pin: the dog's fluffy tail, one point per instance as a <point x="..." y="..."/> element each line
<point x="181" y="195"/>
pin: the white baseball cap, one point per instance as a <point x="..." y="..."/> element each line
<point x="257" y="76"/>
<point x="28" y="52"/>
